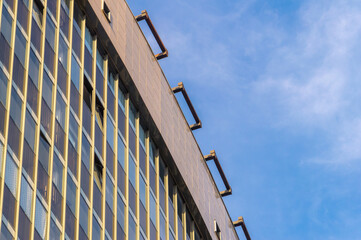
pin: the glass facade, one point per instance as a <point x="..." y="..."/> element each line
<point x="76" y="160"/>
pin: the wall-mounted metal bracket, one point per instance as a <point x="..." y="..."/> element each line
<point x="180" y="88"/>
<point x="145" y="16"/>
<point x="240" y="222"/>
<point x="213" y="156"/>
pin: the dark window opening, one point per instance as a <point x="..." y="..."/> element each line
<point x="106" y="11"/>
<point x="98" y="171"/>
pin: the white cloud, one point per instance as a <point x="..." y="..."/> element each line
<point x="314" y="80"/>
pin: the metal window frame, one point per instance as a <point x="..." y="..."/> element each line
<point x="213" y="156"/>
<point x="180" y="88"/>
<point x="144" y="16"/>
<point x="240" y="222"/>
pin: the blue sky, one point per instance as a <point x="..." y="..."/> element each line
<point x="277" y="87"/>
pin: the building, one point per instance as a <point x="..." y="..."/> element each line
<point x="93" y="144"/>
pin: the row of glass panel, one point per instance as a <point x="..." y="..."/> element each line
<point x="65" y="131"/>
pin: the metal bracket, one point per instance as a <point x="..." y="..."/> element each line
<point x="145" y="16"/>
<point x="180" y="88"/>
<point x="213" y="156"/>
<point x="240" y="222"/>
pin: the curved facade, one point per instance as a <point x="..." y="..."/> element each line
<point x="93" y="143"/>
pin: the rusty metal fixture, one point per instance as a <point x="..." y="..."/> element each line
<point x="213" y="156"/>
<point x="144" y="16"/>
<point x="180" y="88"/>
<point x="240" y="222"/>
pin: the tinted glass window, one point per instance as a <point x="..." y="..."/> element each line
<point x="26" y="196"/>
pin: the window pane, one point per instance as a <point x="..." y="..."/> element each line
<point x="15" y="107"/>
<point x="11" y="174"/>
<point x="132" y="228"/>
<point x="24" y="222"/>
<point x="43" y="182"/>
<point x="52" y="7"/>
<point x="152" y="211"/>
<point x="110" y="132"/>
<point x="85" y="180"/>
<point x="6" y="23"/>
<point x="110" y="102"/>
<point x="30" y="130"/>
<point x="44" y="153"/>
<point x="109" y="192"/>
<point x="121" y="152"/>
<point x="72" y="159"/>
<point x="34" y="68"/>
<point x="5" y="51"/>
<point x="121" y="121"/>
<point x="28" y="160"/>
<point x="5" y="234"/>
<point x="120" y="212"/>
<point x="83" y="215"/>
<point x="54" y="231"/>
<point x="96" y="229"/>
<point x="132" y="140"/>
<point x="36" y="33"/>
<point x="75" y="72"/>
<point x="58" y="173"/>
<point x="85" y="151"/>
<point x="9" y="206"/>
<point x="32" y="97"/>
<point x="110" y="160"/>
<point x="59" y="138"/>
<point x="40" y="219"/>
<point x="3" y="87"/>
<point x="132" y="171"/>
<point x="56" y="203"/>
<point x="100" y="82"/>
<point x="142" y="190"/>
<point x="60" y="110"/>
<point x="47" y="90"/>
<point x="69" y="223"/>
<point x="64" y="22"/>
<point x="26" y="196"/>
<point x="63" y="52"/>
<point x="109" y="220"/>
<point x="20" y="45"/>
<point x="71" y="194"/>
<point x="97" y="200"/>
<point x="73" y="131"/>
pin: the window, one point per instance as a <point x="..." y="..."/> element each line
<point x="132" y="228"/>
<point x="142" y="190"/>
<point x="70" y="194"/>
<point x="69" y="223"/>
<point x="40" y="219"/>
<point x="58" y="173"/>
<point x="34" y="68"/>
<point x="110" y="132"/>
<point x="26" y="197"/>
<point x="152" y="211"/>
<point x="5" y="37"/>
<point x="64" y="21"/>
<point x="120" y="212"/>
<point x="9" y="206"/>
<point x="44" y="153"/>
<point x="83" y="215"/>
<point x="24" y="222"/>
<point x="5" y="234"/>
<point x="63" y="52"/>
<point x="47" y="89"/>
<point x="96" y="229"/>
<point x="11" y="174"/>
<point x="109" y="192"/>
<point x="106" y="11"/>
<point x="3" y="87"/>
<point x="38" y="11"/>
<point x="75" y="72"/>
<point x="85" y="149"/>
<point x="54" y="231"/>
<point x="60" y="110"/>
<point x="23" y="13"/>
<point x="73" y="131"/>
<point x="15" y="107"/>
<point x="98" y="172"/>
<point x="87" y="106"/>
<point x="56" y="202"/>
<point x="52" y="4"/>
